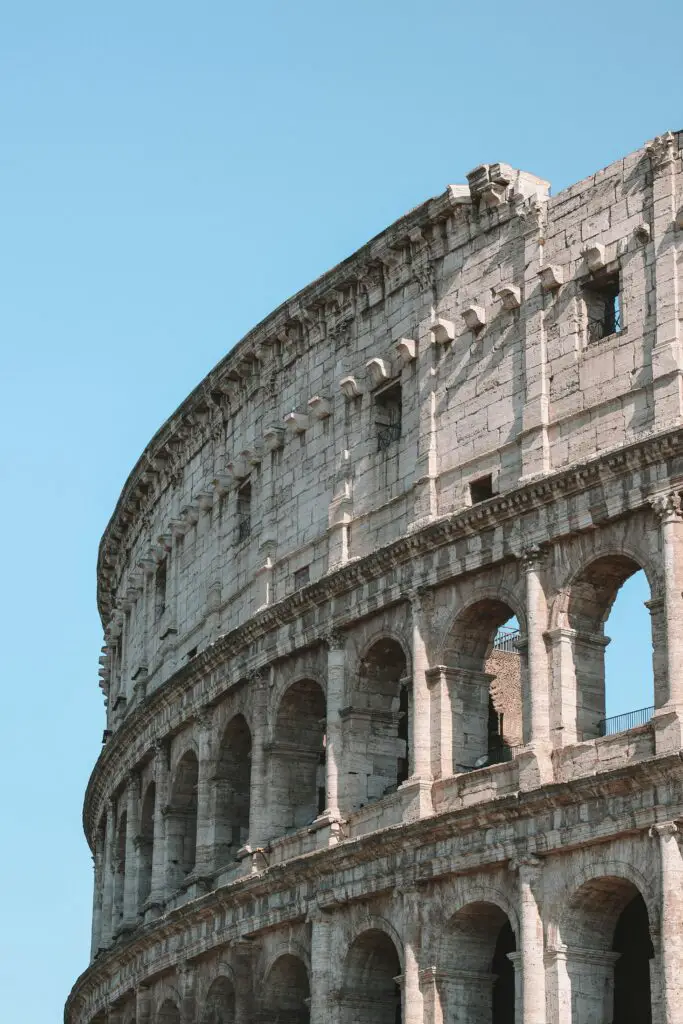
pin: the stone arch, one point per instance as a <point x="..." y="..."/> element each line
<point x="286" y="991"/>
<point x="476" y="973"/>
<point x="146" y="843"/>
<point x="370" y="991"/>
<point x="219" y="1002"/>
<point x="577" y="639"/>
<point x="606" y="932"/>
<point x="297" y="780"/>
<point x="181" y="818"/>
<point x="232" y="790"/>
<point x="487" y="687"/>
<point x="378" y="722"/>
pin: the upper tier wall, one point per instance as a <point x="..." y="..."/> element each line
<point x="459" y="344"/>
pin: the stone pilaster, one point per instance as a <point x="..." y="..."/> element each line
<point x="322" y="928"/>
<point x="130" y="881"/>
<point x="335" y="699"/>
<point x="667" y="363"/>
<point x="143" y="1005"/>
<point x="98" y="881"/>
<point x="671" y="909"/>
<point x="187" y="980"/>
<point x="412" y="938"/>
<point x="669" y="716"/>
<point x="108" y="875"/>
<point x="258" y="792"/>
<point x="530" y="962"/>
<point x="537" y="769"/>
<point x="425" y="473"/>
<point x="418" y="787"/>
<point x="534" y="437"/>
<point x="441" y="681"/>
<point x="157" y="895"/>
<point x="204" y="858"/>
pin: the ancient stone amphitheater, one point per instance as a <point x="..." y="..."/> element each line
<point x="331" y="788"/>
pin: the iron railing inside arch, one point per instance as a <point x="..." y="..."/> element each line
<point x="620" y="723"/>
<point x="506" y="640"/>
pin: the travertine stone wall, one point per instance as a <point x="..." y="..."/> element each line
<point x="302" y="811"/>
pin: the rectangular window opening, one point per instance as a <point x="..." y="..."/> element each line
<point x="481" y="489"/>
<point x="301" y="577"/>
<point x="160" y="590"/>
<point x="388" y="413"/>
<point x="244" y="512"/>
<point x="602" y="295"/>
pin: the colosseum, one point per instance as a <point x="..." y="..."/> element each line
<point x="357" y="767"/>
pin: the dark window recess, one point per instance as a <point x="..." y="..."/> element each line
<point x="191" y="654"/>
<point x="244" y="512"/>
<point x="301" y="577"/>
<point x="388" y="416"/>
<point x="602" y="296"/>
<point x="481" y="489"/>
<point x="403" y="766"/>
<point x="160" y="591"/>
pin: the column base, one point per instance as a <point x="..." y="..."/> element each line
<point x="253" y="859"/>
<point x="416" y="798"/>
<point x="668" y="726"/>
<point x="328" y="827"/>
<point x="535" y="766"/>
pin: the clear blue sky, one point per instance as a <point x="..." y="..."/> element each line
<point x="171" y="172"/>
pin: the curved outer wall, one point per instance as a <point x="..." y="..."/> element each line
<point x="327" y="790"/>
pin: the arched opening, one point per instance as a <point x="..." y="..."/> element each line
<point x="478" y="980"/>
<point x="119" y="870"/>
<point x="378" y="725"/>
<point x="297" y="757"/>
<point x="486" y="676"/>
<point x="232" y="784"/>
<point x="219" y="1007"/>
<point x="181" y="820"/>
<point x="371" y="993"/>
<point x="614" y="588"/>
<point x="146" y="844"/>
<point x="168" y="1013"/>
<point x="607" y="934"/>
<point x="286" y="993"/>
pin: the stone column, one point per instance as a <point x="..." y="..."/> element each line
<point x="668" y="509"/>
<point x="417" y="789"/>
<point x="534" y="437"/>
<point x="530" y="959"/>
<point x="671" y="937"/>
<point x="440" y="680"/>
<point x="204" y="857"/>
<point x="143" y="1005"/>
<point x="667" y="364"/>
<point x="430" y="350"/>
<point x="412" y="934"/>
<point x="186" y="975"/>
<point x="335" y="700"/>
<point x="130" y="881"/>
<point x="259" y="825"/>
<point x="536" y="700"/>
<point x="321" y="963"/>
<point x="157" y="895"/>
<point x="108" y="875"/>
<point x="98" y="866"/>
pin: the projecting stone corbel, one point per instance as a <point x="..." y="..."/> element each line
<point x="221" y="484"/>
<point x="253" y="456"/>
<point x="510" y="296"/>
<point x="406" y="350"/>
<point x="204" y="500"/>
<point x="320" y="407"/>
<point x="377" y="371"/>
<point x="594" y="257"/>
<point x="641" y="233"/>
<point x="273" y="438"/>
<point x="349" y="388"/>
<point x="551" y="277"/>
<point x="474" y="317"/>
<point x="493" y="194"/>
<point x="178" y="527"/>
<point x="237" y="467"/>
<point x="678" y="220"/>
<point x="190" y="514"/>
<point x="443" y="331"/>
<point x="165" y="540"/>
<point x="296" y="422"/>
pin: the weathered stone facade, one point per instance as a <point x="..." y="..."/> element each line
<point x="307" y="807"/>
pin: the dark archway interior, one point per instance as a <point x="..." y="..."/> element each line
<point x="383" y="692"/>
<point x="632" y="1003"/>
<point x="287" y="992"/>
<point x="371" y="994"/>
<point x="181" y="822"/>
<point x="232" y="788"/>
<point x="220" y="1003"/>
<point x="503" y="1000"/>
<point x="146" y="849"/>
<point x="297" y="759"/>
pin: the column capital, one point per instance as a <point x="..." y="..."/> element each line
<point x="525" y="863"/>
<point x="335" y="639"/>
<point x="204" y="718"/>
<point x="663" y="830"/>
<point x="420" y="598"/>
<point x="533" y="558"/>
<point x="667" y="507"/>
<point x="133" y="782"/>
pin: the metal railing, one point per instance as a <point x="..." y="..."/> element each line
<point x="506" y="640"/>
<point x="387" y="435"/>
<point x="602" y="327"/>
<point x="620" y="723"/>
